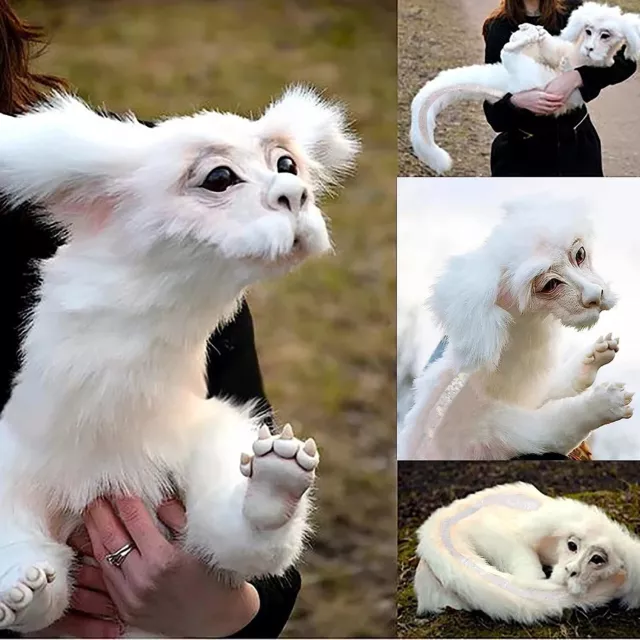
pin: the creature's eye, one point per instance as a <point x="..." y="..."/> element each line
<point x="580" y="256"/>
<point x="286" y="164"/>
<point x="605" y="36"/>
<point x="597" y="559"/>
<point x="552" y="285"/>
<point x="573" y="547"/>
<point x="220" y="179"/>
<point x="588" y="31"/>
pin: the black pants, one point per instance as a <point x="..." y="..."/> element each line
<point x="565" y="146"/>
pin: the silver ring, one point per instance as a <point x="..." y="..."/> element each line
<point x="116" y="558"/>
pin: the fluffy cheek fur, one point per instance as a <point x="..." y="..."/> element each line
<point x="233" y="226"/>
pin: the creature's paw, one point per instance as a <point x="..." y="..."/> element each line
<point x="280" y="472"/>
<point x="612" y="401"/>
<point x="602" y="352"/>
<point x="34" y="601"/>
<point x="526" y="35"/>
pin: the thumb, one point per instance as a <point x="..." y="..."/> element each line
<point x="172" y="514"/>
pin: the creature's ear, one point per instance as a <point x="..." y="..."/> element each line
<point x="67" y="158"/>
<point x="577" y="22"/>
<point x="631" y="32"/>
<point x="320" y="128"/>
<point x="465" y="303"/>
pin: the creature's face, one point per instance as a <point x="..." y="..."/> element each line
<point x="599" y="31"/>
<point x="244" y="188"/>
<point x="192" y="190"/>
<point x="586" y="560"/>
<point x="569" y="289"/>
<point x="600" y="41"/>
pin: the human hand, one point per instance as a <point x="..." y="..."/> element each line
<point x="158" y="587"/>
<point x="565" y="84"/>
<point x="537" y="101"/>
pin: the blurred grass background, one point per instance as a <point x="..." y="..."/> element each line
<point x="325" y="334"/>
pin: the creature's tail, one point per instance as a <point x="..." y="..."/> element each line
<point x="475" y="82"/>
<point x="451" y="573"/>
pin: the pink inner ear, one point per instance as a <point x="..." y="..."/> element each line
<point x="90" y="216"/>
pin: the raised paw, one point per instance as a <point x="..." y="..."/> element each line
<point x="612" y="401"/>
<point x="31" y="603"/>
<point x="602" y="352"/>
<point x="280" y="472"/>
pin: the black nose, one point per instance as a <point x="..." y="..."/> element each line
<point x="573" y="574"/>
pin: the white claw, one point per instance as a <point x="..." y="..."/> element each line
<point x="262" y="446"/>
<point x="16" y="595"/>
<point x="264" y="432"/>
<point x="307" y="456"/>
<point x="608" y="336"/>
<point x="310" y="447"/>
<point x="245" y="465"/>
<point x="287" y="432"/>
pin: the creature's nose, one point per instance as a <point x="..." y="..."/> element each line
<point x="592" y="297"/>
<point x="573" y="574"/>
<point x="288" y="192"/>
<point x="589" y="49"/>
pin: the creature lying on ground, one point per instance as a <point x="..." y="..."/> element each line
<point x="487" y="552"/>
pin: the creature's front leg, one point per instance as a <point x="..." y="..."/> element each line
<point x="580" y="372"/>
<point x="560" y="425"/>
<point x="248" y="513"/>
<point x="34" y="570"/>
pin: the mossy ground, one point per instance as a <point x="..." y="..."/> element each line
<point x="326" y="334"/>
<point x="615" y="487"/>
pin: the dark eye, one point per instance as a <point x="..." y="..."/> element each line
<point x="572" y="546"/>
<point x="605" y="36"/>
<point x="287" y="164"/>
<point x="552" y="285"/>
<point x="588" y="31"/>
<point x="220" y="179"/>
<point x="597" y="559"/>
<point x="581" y="255"/>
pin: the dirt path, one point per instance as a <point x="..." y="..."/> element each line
<point x="465" y="133"/>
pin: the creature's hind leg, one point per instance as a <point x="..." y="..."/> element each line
<point x="34" y="570"/>
<point x="580" y="372"/>
<point x="432" y="596"/>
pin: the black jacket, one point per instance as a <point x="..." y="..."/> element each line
<point x="532" y="145"/>
<point x="232" y="371"/>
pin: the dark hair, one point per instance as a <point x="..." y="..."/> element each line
<point x="514" y="11"/>
<point x="20" y="43"/>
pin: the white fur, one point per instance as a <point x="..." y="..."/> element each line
<point x="503" y="546"/>
<point x="110" y="397"/>
<point x="512" y="396"/>
<point x="530" y="60"/>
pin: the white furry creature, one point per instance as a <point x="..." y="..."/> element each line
<point x="530" y="60"/>
<point x="498" y="392"/>
<point x="168" y="226"/>
<point x="487" y="552"/>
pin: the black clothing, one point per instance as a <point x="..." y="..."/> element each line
<point x="232" y="372"/>
<point x="529" y="145"/>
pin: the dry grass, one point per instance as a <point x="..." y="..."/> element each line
<point x="326" y="334"/>
<point x="432" y="36"/>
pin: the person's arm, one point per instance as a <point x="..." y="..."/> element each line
<point x="594" y="79"/>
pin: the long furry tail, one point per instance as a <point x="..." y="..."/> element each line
<point x="476" y="82"/>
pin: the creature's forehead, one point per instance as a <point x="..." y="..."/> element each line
<point x="226" y="132"/>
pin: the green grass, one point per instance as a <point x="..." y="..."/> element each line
<point x="325" y="334"/>
<point x="614" y="487"/>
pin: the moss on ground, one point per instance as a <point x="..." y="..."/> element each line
<point x="614" y="487"/>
